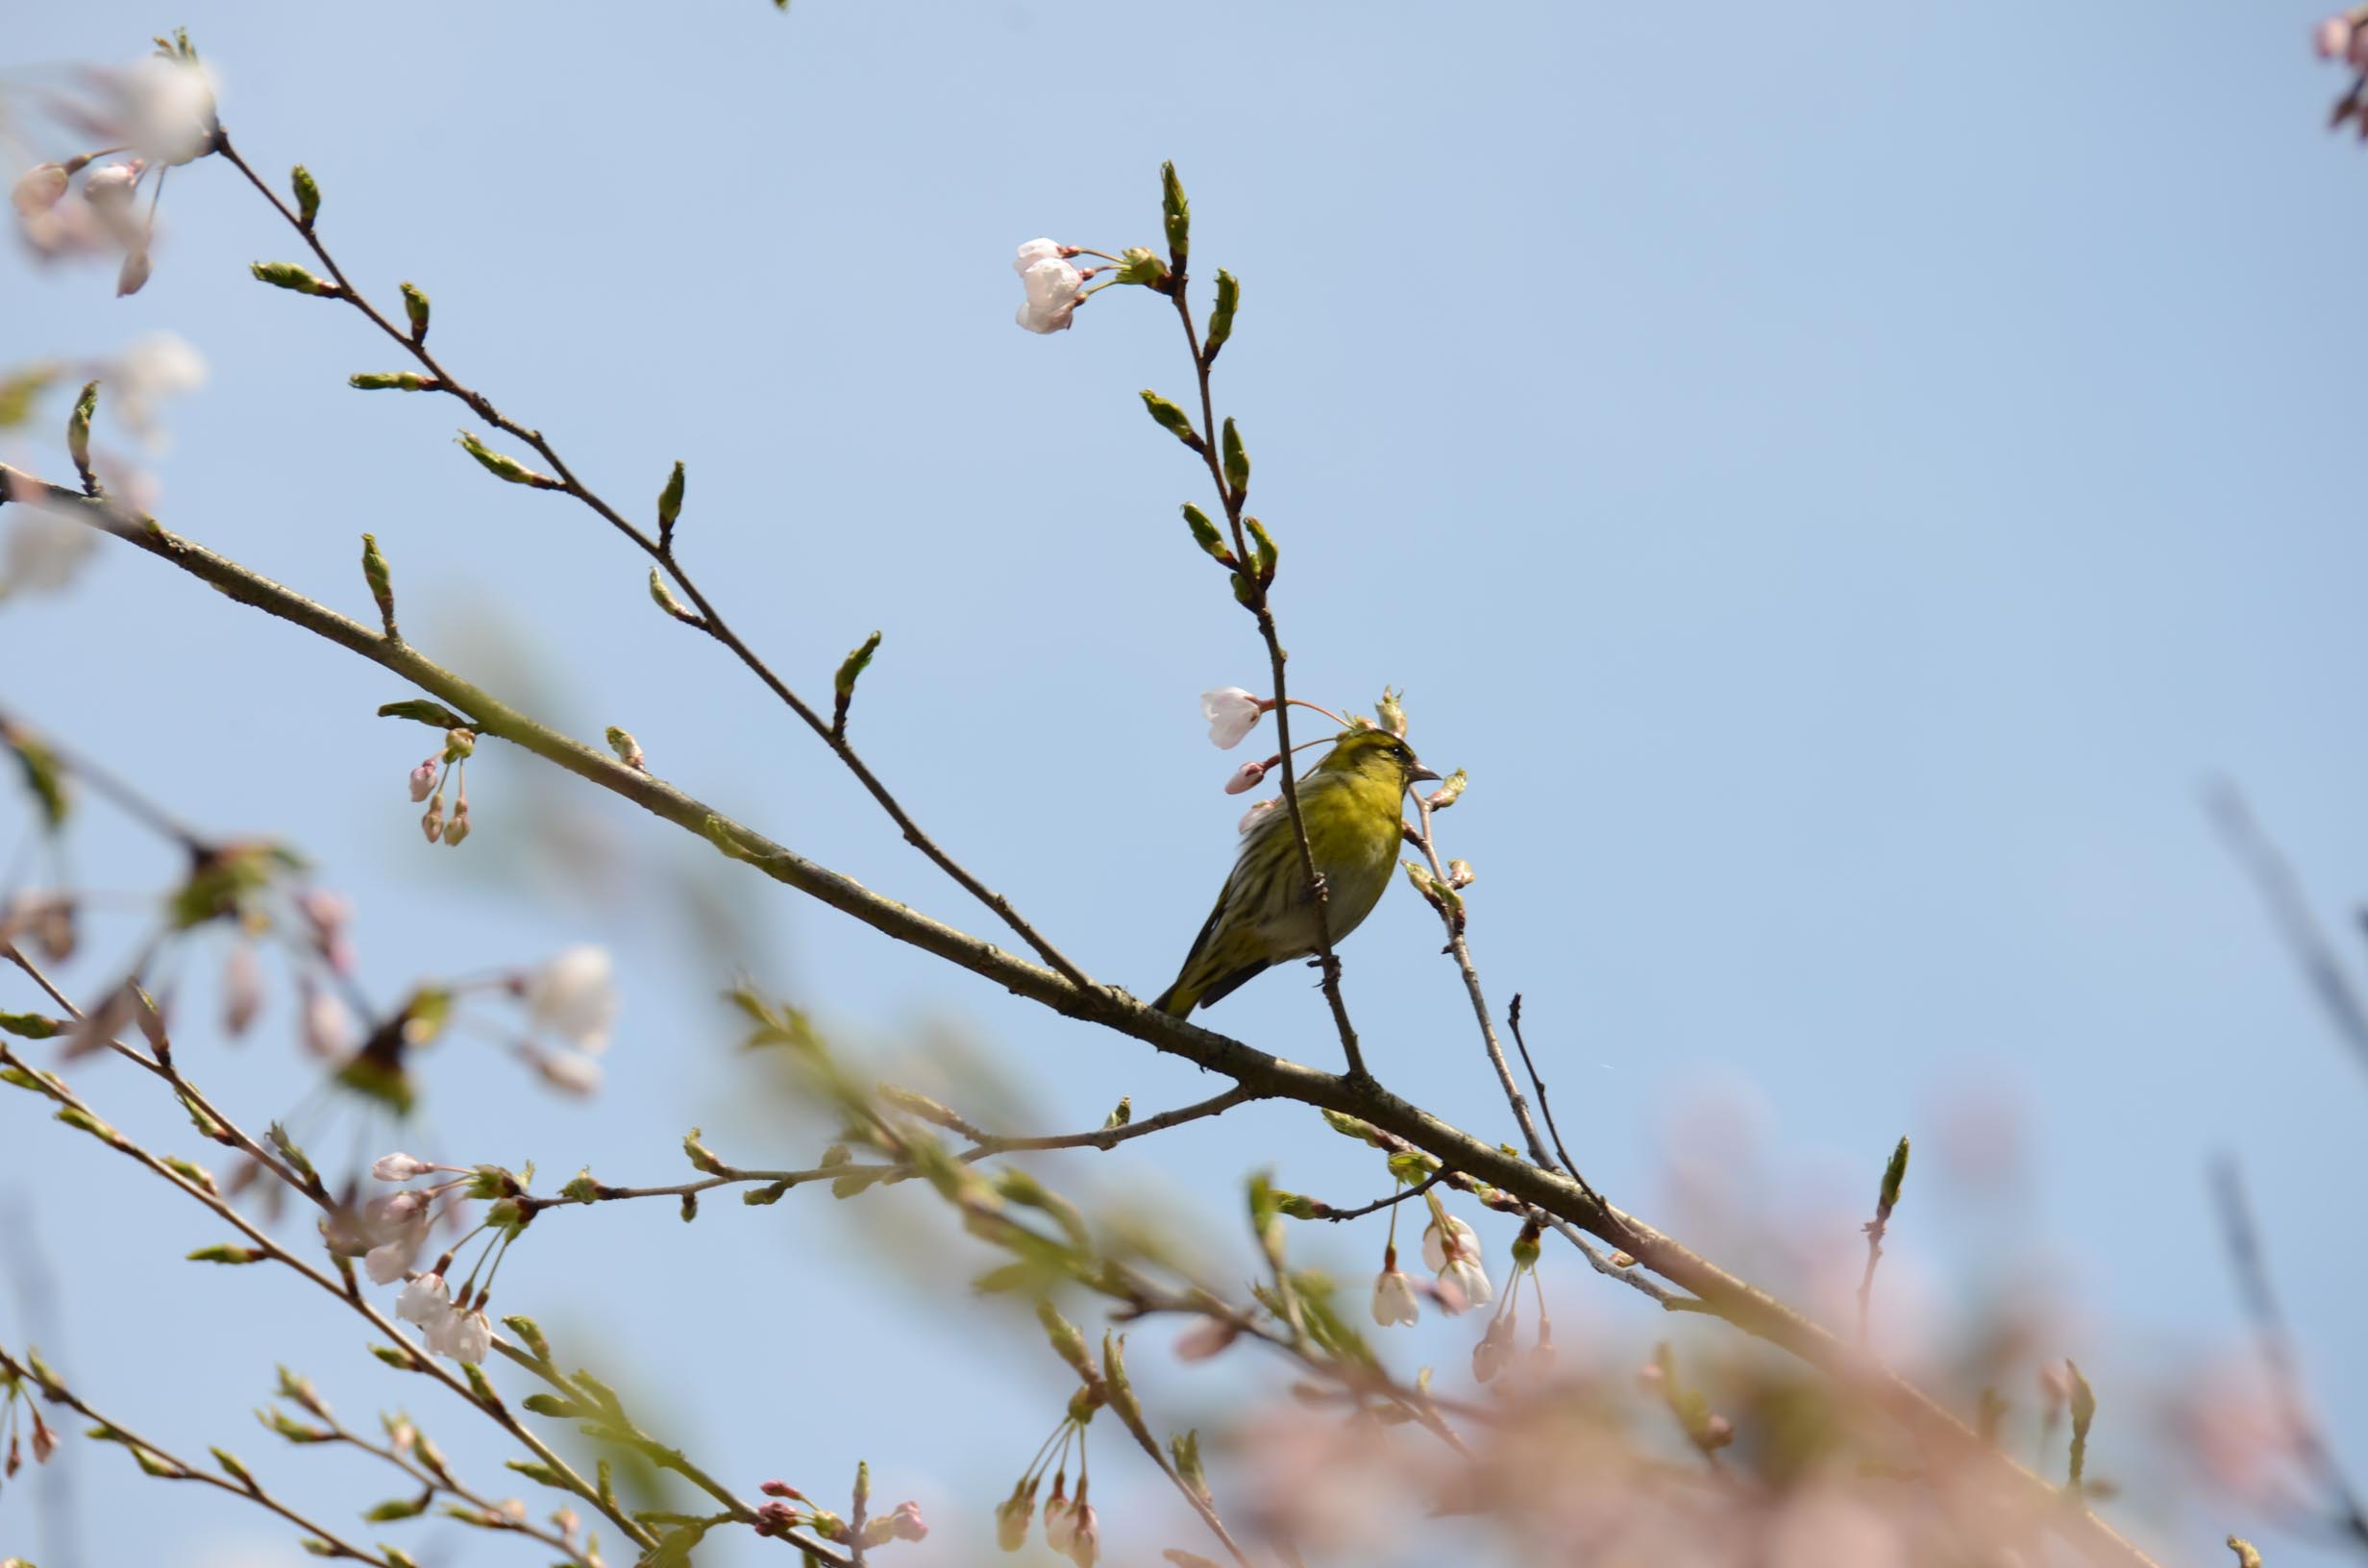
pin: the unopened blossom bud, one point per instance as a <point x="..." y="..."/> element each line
<point x="573" y="997"/>
<point x="56" y="930"/>
<point x="1394" y="1297"/>
<point x="905" y="1524"/>
<point x="458" y="827"/>
<point x="1541" y="1354"/>
<point x="328" y="1027"/>
<point x="398" y="1167"/>
<point x="132" y="276"/>
<point x="1085" y="1536"/>
<point x="1208" y="1337"/>
<point x="782" y="1488"/>
<point x="423" y="780"/>
<point x="1012" y="1516"/>
<point x="425" y="1301"/>
<point x="432" y="822"/>
<point x="1249" y="817"/>
<point x="1247" y="776"/>
<point x="38" y="188"/>
<point x="111" y="185"/>
<point x="242" y="990"/>
<point x="2334" y="40"/>
<point x="569" y="1071"/>
<point x="44" y="1437"/>
<point x="1060" y="1519"/>
<point x="1232" y="713"/>
<point x="1495" y="1347"/>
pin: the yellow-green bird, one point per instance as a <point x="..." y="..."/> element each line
<point x="1351" y="801"/>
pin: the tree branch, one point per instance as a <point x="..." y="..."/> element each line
<point x="1747" y="1307"/>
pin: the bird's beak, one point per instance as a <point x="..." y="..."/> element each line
<point x="1417" y="775"/>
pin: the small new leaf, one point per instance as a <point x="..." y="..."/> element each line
<point x="307" y="196"/>
<point x="503" y="466"/>
<point x="1220" y="319"/>
<point x="415" y="307"/>
<point x="842" y="684"/>
<point x="1171" y="419"/>
<point x="289" y="276"/>
<point x="78" y="436"/>
<point x="425" y="712"/>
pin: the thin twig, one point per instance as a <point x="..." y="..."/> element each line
<point x="1336" y="1216"/>
<point x="1450" y="918"/>
<point x="1513" y="1021"/>
<point x="1232" y="499"/>
<point x="2250" y="1266"/>
<point x="346" y="1291"/>
<point x="247" y="1486"/>
<point x="661" y="550"/>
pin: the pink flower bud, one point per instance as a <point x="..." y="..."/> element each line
<point x="2334" y="39"/>
<point x="38" y="188"/>
<point x="133" y="277"/>
<point x="398" y="1167"/>
<point x="242" y="990"/>
<point x="782" y="1488"/>
<point x="905" y="1523"/>
<point x="423" y="780"/>
<point x="1247" y="776"/>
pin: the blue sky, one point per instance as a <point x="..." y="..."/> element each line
<point x="1842" y="479"/>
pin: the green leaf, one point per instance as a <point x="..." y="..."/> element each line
<point x="43" y="775"/>
<point x="419" y="708"/>
<point x="33" y="1025"/>
<point x="1220" y="319"/>
<point x="307" y="195"/>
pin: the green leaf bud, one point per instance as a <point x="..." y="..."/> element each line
<point x="1262" y="549"/>
<point x="1068" y="1343"/>
<point x="222" y="1252"/>
<point x="1177" y="211"/>
<point x="392" y="380"/>
<point x="415" y="307"/>
<point x="398" y="1507"/>
<point x="1447" y="792"/>
<point x="670" y="502"/>
<point x="289" y="276"/>
<point x="78" y="436"/>
<point x="1894" y="1172"/>
<point x="842" y="683"/>
<point x="1171" y="419"/>
<point x="1205" y="535"/>
<point x="1220" y="319"/>
<point x="503" y="466"/>
<point x="1237" y="462"/>
<point x="307" y="196"/>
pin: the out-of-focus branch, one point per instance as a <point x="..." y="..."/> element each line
<point x="2272" y="876"/>
<point x="2250" y="1266"/>
<point x="156" y="1462"/>
<point x="1740" y="1303"/>
<point x="345" y="1288"/>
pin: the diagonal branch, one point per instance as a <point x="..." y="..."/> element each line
<point x="660" y="549"/>
<point x="1745" y="1305"/>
